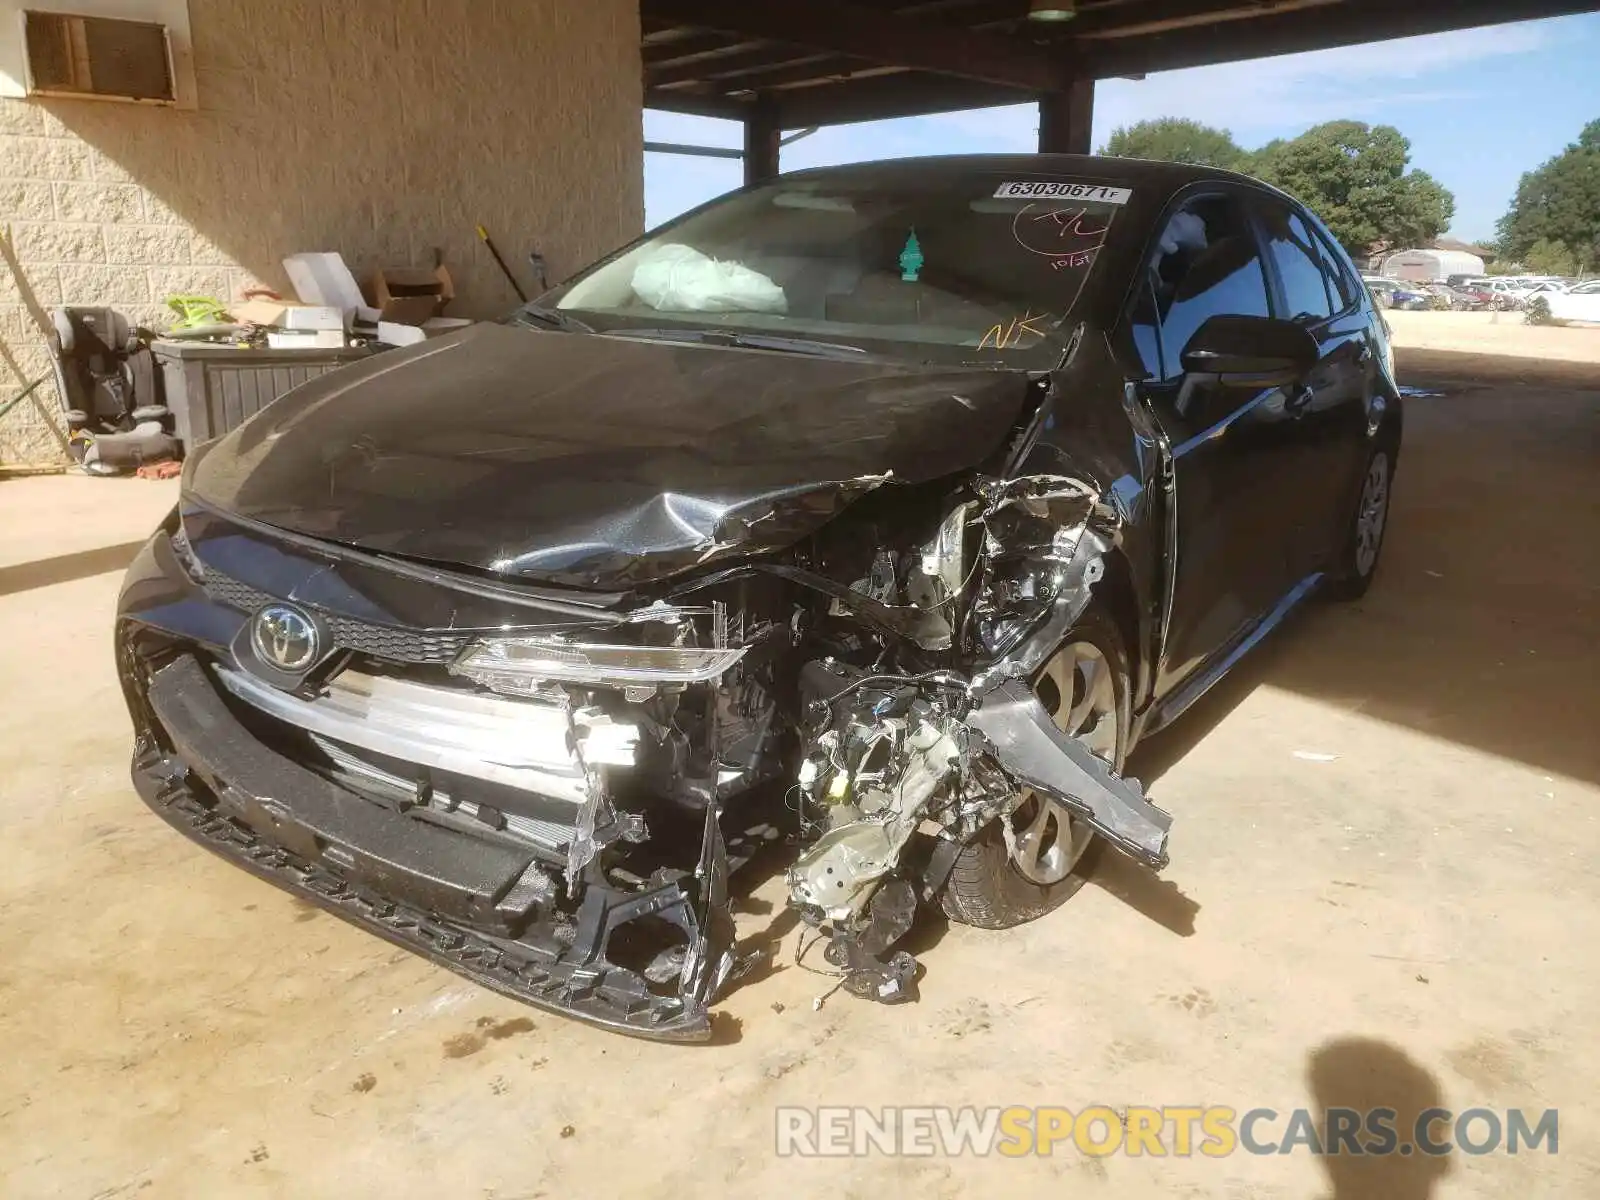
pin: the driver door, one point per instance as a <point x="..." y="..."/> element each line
<point x="1234" y="479"/>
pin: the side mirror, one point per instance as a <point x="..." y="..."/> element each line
<point x="1254" y="352"/>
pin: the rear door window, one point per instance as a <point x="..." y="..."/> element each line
<point x="1342" y="280"/>
<point x="1298" y="263"/>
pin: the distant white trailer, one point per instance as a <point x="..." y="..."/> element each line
<point x="1431" y="266"/>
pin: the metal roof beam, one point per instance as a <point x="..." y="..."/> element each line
<point x="746" y="62"/>
<point x="903" y="95"/>
<point x="875" y="35"/>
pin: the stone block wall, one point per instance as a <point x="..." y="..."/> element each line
<point x="384" y="129"/>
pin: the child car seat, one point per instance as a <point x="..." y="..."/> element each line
<point x="106" y="378"/>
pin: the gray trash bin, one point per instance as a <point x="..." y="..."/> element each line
<point x="212" y="389"/>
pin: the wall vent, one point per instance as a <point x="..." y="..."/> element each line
<point x="98" y="57"/>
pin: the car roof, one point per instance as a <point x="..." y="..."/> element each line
<point x="1151" y="182"/>
<point x="1155" y="179"/>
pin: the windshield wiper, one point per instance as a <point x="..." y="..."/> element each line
<point x="549" y="318"/>
<point x="745" y="341"/>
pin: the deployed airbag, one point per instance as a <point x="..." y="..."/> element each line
<point x="679" y="278"/>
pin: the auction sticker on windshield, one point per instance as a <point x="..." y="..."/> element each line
<point x="1035" y="190"/>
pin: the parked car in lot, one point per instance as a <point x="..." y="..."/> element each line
<point x="876" y="511"/>
<point x="1581" y="302"/>
<point x="1456" y="299"/>
<point x="1504" y="294"/>
<point x="1395" y="293"/>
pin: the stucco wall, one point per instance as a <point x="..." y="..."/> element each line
<point x="378" y="128"/>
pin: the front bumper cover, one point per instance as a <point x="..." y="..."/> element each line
<point x="462" y="902"/>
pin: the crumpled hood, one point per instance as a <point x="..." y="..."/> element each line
<point x="596" y="461"/>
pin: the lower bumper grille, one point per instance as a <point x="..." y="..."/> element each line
<point x="462" y="903"/>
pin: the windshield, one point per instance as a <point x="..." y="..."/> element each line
<point x="970" y="267"/>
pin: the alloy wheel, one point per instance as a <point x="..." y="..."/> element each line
<point x="1373" y="514"/>
<point x="1043" y="839"/>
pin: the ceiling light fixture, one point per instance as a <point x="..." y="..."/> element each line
<point x="1052" y="10"/>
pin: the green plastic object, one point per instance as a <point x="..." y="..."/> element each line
<point x="911" y="259"/>
<point x="197" y="310"/>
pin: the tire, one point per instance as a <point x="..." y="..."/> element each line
<point x="1363" y="544"/>
<point x="987" y="889"/>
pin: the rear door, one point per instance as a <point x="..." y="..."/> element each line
<point x="1230" y="537"/>
<point x="1325" y="434"/>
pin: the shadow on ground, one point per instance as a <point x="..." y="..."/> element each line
<point x="1480" y="626"/>
<point x="1358" y="1075"/>
<point x="64" y="568"/>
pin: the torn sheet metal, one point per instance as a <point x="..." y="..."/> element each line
<point x="928" y="629"/>
<point x="887" y="756"/>
<point x="710" y="961"/>
<point x="1028" y="745"/>
<point x="1027" y="635"/>
<point x="1044" y="542"/>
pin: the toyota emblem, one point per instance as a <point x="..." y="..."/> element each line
<point x="284" y="637"/>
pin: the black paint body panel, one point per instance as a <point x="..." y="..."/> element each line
<point x="596" y="462"/>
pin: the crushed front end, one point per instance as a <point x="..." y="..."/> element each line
<point x="547" y="789"/>
<point x="528" y="788"/>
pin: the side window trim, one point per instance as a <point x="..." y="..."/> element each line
<point x="1145" y="293"/>
<point x="1336" y="256"/>
<point x="1276" y="288"/>
<point x="1332" y="253"/>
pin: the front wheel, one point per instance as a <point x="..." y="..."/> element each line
<point x="1033" y="860"/>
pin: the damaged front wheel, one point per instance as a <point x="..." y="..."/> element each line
<point x="1033" y="860"/>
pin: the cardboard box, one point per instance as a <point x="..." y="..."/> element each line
<point x="305" y="339"/>
<point x="410" y="295"/>
<point x="321" y="277"/>
<point x="281" y="314"/>
<point x="394" y="333"/>
<point x="257" y="312"/>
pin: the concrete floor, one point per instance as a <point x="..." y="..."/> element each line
<point x="1384" y="871"/>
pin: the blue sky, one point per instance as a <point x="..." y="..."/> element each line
<point x="1480" y="106"/>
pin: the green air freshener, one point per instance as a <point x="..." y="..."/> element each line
<point x="911" y="259"/>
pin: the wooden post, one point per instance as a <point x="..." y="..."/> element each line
<point x="761" y="134"/>
<point x="1066" y="119"/>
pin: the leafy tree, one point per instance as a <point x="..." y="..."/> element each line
<point x="1354" y="177"/>
<point x="1550" y="257"/>
<point x="1177" y="139"/>
<point x="1559" y="203"/>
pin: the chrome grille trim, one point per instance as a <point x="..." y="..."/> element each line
<point x="519" y="743"/>
<point x="394" y="643"/>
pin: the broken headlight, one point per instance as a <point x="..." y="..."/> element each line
<point x="518" y="666"/>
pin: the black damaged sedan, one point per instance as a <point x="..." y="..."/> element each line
<point x="864" y="519"/>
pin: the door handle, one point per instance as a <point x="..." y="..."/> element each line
<point x="1299" y="401"/>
